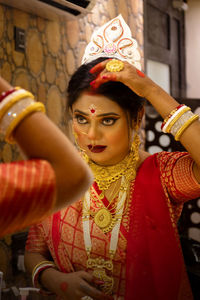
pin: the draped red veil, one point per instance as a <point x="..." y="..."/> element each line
<point x="154" y="268"/>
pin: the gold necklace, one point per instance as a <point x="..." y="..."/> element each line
<point x="100" y="265"/>
<point x="104" y="218"/>
<point x="104" y="176"/>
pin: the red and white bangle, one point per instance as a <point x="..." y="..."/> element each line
<point x="176" y="117"/>
<point x="16" y="104"/>
<point x="8" y="101"/>
<point x="171" y="116"/>
<point x="5" y="94"/>
<point x="37" y="271"/>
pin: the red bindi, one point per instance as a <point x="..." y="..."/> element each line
<point x="92" y="109"/>
<point x="63" y="286"/>
<point x="140" y="73"/>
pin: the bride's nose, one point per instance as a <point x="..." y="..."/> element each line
<point x="93" y="132"/>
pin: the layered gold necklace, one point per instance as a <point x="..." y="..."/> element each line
<point x="104" y="176"/>
<point x="104" y="219"/>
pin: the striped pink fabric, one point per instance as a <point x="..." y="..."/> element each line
<point x="27" y="194"/>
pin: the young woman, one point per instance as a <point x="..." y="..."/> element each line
<point x="121" y="238"/>
<point x="32" y="189"/>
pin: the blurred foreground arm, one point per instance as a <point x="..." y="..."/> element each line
<point x="40" y="139"/>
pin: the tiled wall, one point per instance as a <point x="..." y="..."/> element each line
<point x="53" y="52"/>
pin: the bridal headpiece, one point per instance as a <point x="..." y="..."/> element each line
<point x="113" y="39"/>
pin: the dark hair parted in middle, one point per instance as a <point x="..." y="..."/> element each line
<point x="115" y="91"/>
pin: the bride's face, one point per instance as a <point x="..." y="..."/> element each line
<point x="102" y="128"/>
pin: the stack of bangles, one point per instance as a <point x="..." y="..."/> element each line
<point x="36" y="274"/>
<point x="178" y="121"/>
<point x="15" y="105"/>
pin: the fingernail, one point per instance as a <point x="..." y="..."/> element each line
<point x="99" y="281"/>
<point x="140" y="73"/>
<point x="92" y="71"/>
<point x="105" y="77"/>
<point x="93" y="82"/>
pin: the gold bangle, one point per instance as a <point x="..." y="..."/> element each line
<point x="37" y="106"/>
<point x="176" y="118"/>
<point x="185" y="126"/>
<point x="23" y="94"/>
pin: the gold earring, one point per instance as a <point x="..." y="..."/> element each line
<point x="135" y="145"/>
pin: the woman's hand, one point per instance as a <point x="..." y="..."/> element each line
<point x="73" y="285"/>
<point x="137" y="81"/>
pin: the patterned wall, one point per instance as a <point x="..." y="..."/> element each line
<point x="53" y="52"/>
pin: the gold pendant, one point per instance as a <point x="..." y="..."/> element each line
<point x="103" y="218"/>
<point x="99" y="265"/>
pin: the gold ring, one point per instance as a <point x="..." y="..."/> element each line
<point x="114" y="65"/>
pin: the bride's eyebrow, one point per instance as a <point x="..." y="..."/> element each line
<point x="80" y="112"/>
<point x="100" y="115"/>
<point x="108" y="114"/>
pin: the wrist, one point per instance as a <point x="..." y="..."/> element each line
<point x="49" y="276"/>
<point x="46" y="276"/>
<point x="37" y="273"/>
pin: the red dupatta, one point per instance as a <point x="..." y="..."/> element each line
<point x="154" y="265"/>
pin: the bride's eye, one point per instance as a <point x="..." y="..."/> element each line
<point x="80" y="119"/>
<point x="108" y="121"/>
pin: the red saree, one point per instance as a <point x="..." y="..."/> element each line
<point x="148" y="263"/>
<point x="23" y="185"/>
<point x="155" y="267"/>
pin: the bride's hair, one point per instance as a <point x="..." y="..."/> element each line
<point x="115" y="91"/>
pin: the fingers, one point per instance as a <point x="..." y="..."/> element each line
<point x="92" y="292"/>
<point x="90" y="278"/>
<point x="99" y="67"/>
<point x="86" y="276"/>
<point x="95" y="84"/>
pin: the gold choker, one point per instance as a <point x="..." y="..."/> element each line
<point x="104" y="176"/>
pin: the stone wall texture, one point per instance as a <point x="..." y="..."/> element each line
<point x="53" y="52"/>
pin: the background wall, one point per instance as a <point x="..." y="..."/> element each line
<point x="193" y="49"/>
<point x="53" y="52"/>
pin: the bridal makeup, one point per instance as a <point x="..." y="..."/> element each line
<point x="101" y="128"/>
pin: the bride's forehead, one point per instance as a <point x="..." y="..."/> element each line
<point x="95" y="101"/>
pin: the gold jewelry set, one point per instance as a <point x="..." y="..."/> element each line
<point x="108" y="218"/>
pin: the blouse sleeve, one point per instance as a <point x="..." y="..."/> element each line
<point x="36" y="241"/>
<point x="177" y="174"/>
<point x="27" y="194"/>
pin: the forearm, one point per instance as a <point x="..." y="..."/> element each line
<point x="164" y="104"/>
<point x="161" y="100"/>
<point x="38" y="137"/>
<point x="47" y="277"/>
<point x="31" y="259"/>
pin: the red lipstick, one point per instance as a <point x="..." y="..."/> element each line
<point x="96" y="148"/>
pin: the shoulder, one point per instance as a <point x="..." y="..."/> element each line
<point x="143" y="155"/>
<point x="162" y="158"/>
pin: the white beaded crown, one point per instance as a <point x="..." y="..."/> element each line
<point x="113" y="39"/>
